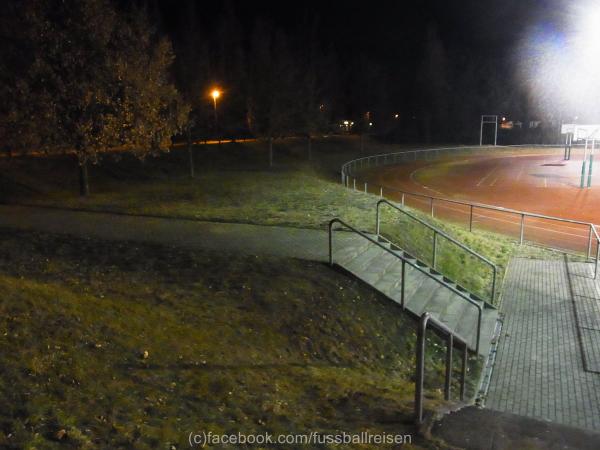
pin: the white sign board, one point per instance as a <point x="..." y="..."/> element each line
<point x="581" y="131"/>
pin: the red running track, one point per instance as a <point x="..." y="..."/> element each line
<point x="525" y="181"/>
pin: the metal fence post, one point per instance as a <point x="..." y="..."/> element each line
<point x="403" y="199"/>
<point x="434" y="249"/>
<point x="449" y="345"/>
<point x="381" y="191"/>
<point x="420" y="368"/>
<point x="365" y="187"/>
<point x="463" y="372"/>
<point x="522" y="229"/>
<point x="402" y="284"/>
<point x="471" y="219"/>
<point x="354" y="183"/>
<point x="431" y="206"/>
<point x="597" y="257"/>
<point x="494" y="275"/>
<point x="330" y="244"/>
<point x="589" y="246"/>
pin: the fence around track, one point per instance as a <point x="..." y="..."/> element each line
<point x="547" y="231"/>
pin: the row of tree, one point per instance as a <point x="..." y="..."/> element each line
<point x="92" y="76"/>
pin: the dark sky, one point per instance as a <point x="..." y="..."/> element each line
<point x="389" y="28"/>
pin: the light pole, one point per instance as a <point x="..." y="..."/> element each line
<point x="215" y="94"/>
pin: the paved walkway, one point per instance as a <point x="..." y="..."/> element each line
<point x="228" y="237"/>
<point x="493" y="430"/>
<point x="539" y="369"/>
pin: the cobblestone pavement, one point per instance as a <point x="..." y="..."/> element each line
<point x="586" y="298"/>
<point x="539" y="369"/>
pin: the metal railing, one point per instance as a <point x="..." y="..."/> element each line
<point x="437" y="232"/>
<point x="350" y="167"/>
<point x="403" y="278"/>
<point x="451" y="339"/>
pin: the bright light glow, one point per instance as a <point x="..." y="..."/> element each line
<point x="561" y="62"/>
<point x="396" y="116"/>
<point x="370" y="124"/>
<point x="346" y="122"/>
<point x="215" y="94"/>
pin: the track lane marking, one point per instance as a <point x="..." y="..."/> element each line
<point x="486" y="177"/>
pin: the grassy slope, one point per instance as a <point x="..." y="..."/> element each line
<point x="235" y="344"/>
<point x="234" y="185"/>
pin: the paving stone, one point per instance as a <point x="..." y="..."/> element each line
<point x="539" y="369"/>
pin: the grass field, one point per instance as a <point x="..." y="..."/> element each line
<point x="129" y="346"/>
<point x="233" y="343"/>
<point x="234" y="184"/>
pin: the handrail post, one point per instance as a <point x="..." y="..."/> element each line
<point x="330" y="244"/>
<point x="463" y="372"/>
<point x="471" y="219"/>
<point x="377" y="220"/>
<point x="449" y="345"/>
<point x="597" y="258"/>
<point x="402" y="285"/>
<point x="431" y="206"/>
<point x="420" y="375"/>
<point x="480" y="313"/>
<point x="522" y="229"/>
<point x="434" y="249"/>
<point x="589" y="246"/>
<point x="494" y="274"/>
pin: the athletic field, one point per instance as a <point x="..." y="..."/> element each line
<point x="534" y="180"/>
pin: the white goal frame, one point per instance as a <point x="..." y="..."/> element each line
<point x="491" y="120"/>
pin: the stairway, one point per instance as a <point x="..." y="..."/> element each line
<point x="383" y="271"/>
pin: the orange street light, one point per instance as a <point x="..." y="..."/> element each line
<point x="215" y="94"/>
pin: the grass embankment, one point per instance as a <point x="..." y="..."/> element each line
<point x="234" y="184"/>
<point x="234" y="344"/>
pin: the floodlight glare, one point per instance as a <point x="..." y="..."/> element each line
<point x="561" y="62"/>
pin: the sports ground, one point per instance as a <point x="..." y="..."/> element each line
<point x="534" y="180"/>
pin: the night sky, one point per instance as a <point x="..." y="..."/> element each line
<point x="483" y="36"/>
<point x="391" y="29"/>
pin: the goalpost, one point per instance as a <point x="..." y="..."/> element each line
<point x="589" y="133"/>
<point x="491" y="120"/>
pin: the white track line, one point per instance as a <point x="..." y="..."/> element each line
<point x="520" y="173"/>
<point x="485" y="178"/>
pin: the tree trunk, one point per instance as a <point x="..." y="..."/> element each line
<point x="190" y="153"/>
<point x="270" y="151"/>
<point x="84" y="182"/>
<point x="309" y="147"/>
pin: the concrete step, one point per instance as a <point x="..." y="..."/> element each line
<point x="350" y="250"/>
<point x="383" y="270"/>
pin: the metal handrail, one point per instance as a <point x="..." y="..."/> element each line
<point x="420" y="366"/>
<point x="414" y="265"/>
<point x="437" y="231"/>
<point x="346" y="172"/>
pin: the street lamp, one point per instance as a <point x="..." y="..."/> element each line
<point x="215" y="94"/>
